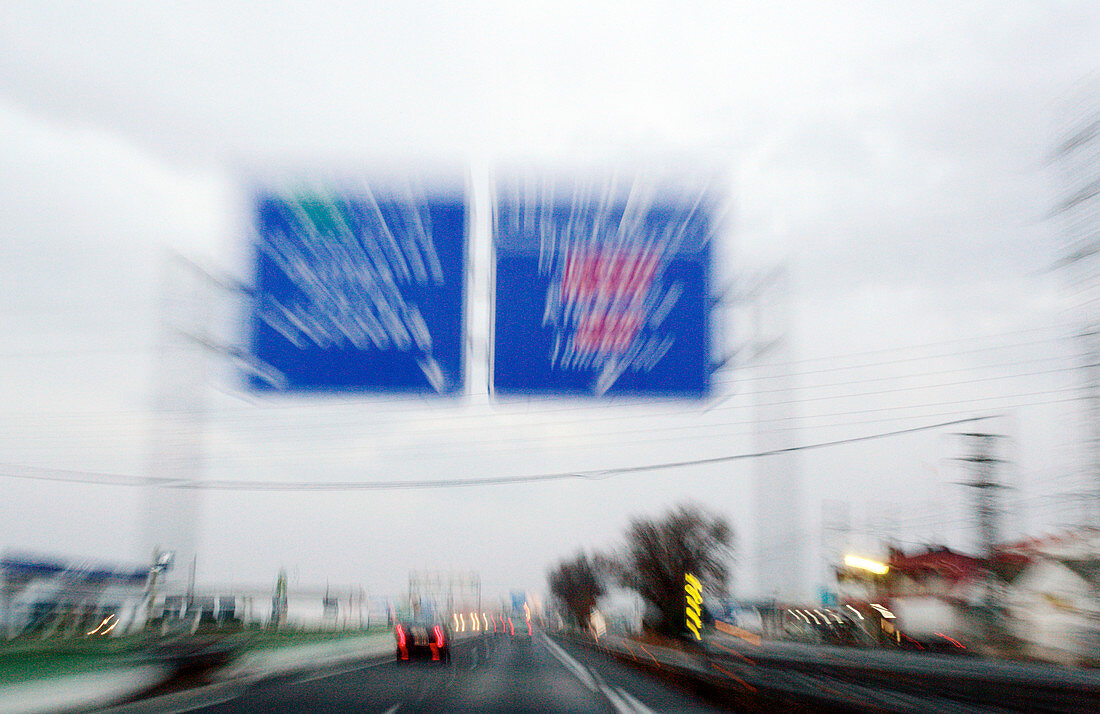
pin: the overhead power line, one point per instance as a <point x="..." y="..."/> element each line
<point x="235" y="419"/>
<point x="103" y="479"/>
<point x="497" y="437"/>
<point x="516" y="446"/>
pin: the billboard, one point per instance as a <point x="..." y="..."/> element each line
<point x="359" y="287"/>
<point x="602" y="288"/>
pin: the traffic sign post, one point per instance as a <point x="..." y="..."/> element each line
<point x="693" y="595"/>
<point x="601" y="292"/>
<point x="360" y="288"/>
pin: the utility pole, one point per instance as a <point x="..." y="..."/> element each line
<point x="1077" y="156"/>
<point x="987" y="509"/>
<point x="781" y="557"/>
<point x="983" y="465"/>
<point x="195" y="303"/>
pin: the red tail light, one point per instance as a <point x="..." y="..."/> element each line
<point x="401" y="642"/>
<point x="438" y="636"/>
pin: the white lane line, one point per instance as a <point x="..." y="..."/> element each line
<point x="180" y="702"/>
<point x="622" y="701"/>
<point x="205" y="704"/>
<point x="619" y="705"/>
<point x="571" y="664"/>
<point x="392" y="709"/>
<point x="638" y="706"/>
<point x="356" y="668"/>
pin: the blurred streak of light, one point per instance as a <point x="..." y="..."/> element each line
<point x="873" y="566"/>
<point x="951" y="640"/>
<point x="732" y="651"/>
<point x="734" y="677"/>
<point x="105" y="621"/>
<point x="650" y="655"/>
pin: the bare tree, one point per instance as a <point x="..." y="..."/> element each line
<point x="660" y="551"/>
<point x="578" y="583"/>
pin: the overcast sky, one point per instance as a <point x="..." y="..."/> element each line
<point x="893" y="155"/>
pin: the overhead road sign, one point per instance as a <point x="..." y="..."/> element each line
<point x="360" y="287"/>
<point x="602" y="288"/>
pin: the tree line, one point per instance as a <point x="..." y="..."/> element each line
<point x="655" y="556"/>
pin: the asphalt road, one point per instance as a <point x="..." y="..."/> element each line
<point x="493" y="674"/>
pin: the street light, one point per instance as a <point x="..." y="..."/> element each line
<point x="873" y="566"/>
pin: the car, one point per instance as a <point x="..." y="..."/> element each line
<point x="422" y="639"/>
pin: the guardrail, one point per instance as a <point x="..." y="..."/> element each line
<point x="773" y="676"/>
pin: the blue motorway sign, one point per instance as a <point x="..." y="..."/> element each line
<point x="601" y="293"/>
<point x="359" y="289"/>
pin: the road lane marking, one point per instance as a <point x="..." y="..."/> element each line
<point x="638" y="706"/>
<point x="180" y="702"/>
<point x="578" y="670"/>
<point x="620" y="699"/>
<point x="322" y="675"/>
<point x="392" y="709"/>
<point x="618" y="704"/>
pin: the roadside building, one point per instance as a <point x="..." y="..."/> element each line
<point x="1054" y="603"/>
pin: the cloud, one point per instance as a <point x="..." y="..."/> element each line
<point x="893" y="153"/>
